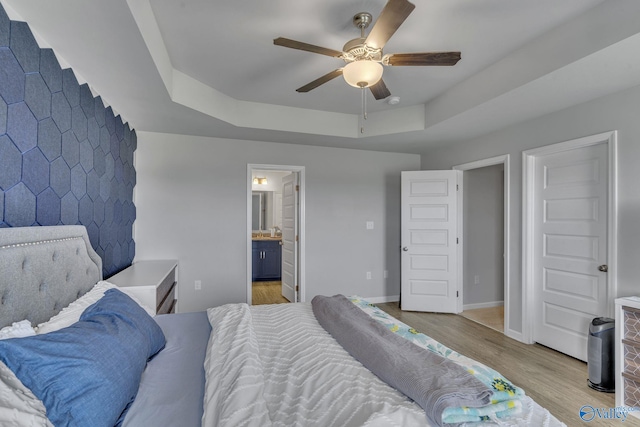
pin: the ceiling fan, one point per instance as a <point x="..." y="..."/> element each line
<point x="364" y="56"/>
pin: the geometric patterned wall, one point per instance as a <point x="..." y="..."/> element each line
<point x="64" y="157"/>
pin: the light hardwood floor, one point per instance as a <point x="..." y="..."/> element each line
<point x="492" y="317"/>
<point x="267" y="293"/>
<point x="554" y="380"/>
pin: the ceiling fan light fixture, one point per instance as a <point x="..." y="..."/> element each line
<point x="363" y="73"/>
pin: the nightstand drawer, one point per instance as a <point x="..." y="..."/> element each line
<point x="168" y="302"/>
<point x="166" y="286"/>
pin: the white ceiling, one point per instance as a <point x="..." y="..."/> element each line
<point x="209" y="67"/>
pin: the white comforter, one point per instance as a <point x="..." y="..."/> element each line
<point x="274" y="365"/>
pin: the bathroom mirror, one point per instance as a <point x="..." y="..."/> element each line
<point x="262" y="209"/>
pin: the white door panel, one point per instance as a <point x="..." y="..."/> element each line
<point x="289" y="236"/>
<point x="571" y="206"/>
<point x="429" y="262"/>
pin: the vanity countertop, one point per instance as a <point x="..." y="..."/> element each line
<point x="276" y="238"/>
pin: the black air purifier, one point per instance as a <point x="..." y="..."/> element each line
<point x="600" y="357"/>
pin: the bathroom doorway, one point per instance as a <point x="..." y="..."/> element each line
<point x="275" y="234"/>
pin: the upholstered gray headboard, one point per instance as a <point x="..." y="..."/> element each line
<point x="43" y="269"/>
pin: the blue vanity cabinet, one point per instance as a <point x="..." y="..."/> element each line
<point x="266" y="257"/>
<point x="256" y="256"/>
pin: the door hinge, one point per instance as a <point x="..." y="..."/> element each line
<point x="297" y="187"/>
<point x="297" y="288"/>
<point x="296" y="237"/>
<point x="457" y="187"/>
<point x="457" y="294"/>
<point x="457" y="241"/>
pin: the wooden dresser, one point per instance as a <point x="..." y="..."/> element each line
<point x="153" y="283"/>
<point x="628" y="353"/>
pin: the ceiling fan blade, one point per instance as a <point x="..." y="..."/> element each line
<point x="379" y="90"/>
<point x="294" y="44"/>
<point x="322" y="80"/>
<point x="392" y="16"/>
<point x="426" y="58"/>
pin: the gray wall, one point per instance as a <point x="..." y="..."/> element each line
<point x="191" y="199"/>
<point x="483" y="236"/>
<point x="618" y="111"/>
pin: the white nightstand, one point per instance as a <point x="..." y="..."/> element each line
<point x="153" y="283"/>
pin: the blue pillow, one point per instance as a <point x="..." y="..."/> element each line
<point x="87" y="374"/>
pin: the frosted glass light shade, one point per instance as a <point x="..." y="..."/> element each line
<point x="363" y="73"/>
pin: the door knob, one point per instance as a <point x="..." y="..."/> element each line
<point x="405" y="249"/>
<point x="603" y="268"/>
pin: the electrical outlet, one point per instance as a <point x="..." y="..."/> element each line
<point x="476" y="280"/>
<point x="368" y="275"/>
<point x="369" y="225"/>
<point x="198" y="285"/>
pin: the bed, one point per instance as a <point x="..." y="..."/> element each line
<point x="97" y="358"/>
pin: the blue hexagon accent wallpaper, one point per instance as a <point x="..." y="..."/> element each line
<point x="64" y="157"/>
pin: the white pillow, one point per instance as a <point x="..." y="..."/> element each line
<point x="17" y="330"/>
<point x="18" y="405"/>
<point x="71" y="314"/>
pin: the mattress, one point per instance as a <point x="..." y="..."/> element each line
<point x="172" y="385"/>
<point x="269" y="365"/>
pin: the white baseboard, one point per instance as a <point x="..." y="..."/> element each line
<point x="378" y="300"/>
<point x="516" y="336"/>
<point x="483" y="305"/>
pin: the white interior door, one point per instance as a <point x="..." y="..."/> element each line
<point x="430" y="256"/>
<point x="570" y="245"/>
<point x="290" y="237"/>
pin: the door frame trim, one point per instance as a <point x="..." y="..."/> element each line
<point x="528" y="224"/>
<point x="505" y="160"/>
<point x="301" y="223"/>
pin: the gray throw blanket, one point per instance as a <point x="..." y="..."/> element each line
<point x="432" y="381"/>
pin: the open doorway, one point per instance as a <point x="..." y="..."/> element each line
<point x="485" y="237"/>
<point x="275" y="234"/>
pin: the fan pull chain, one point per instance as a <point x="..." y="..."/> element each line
<point x="364" y="104"/>
<point x="364" y="108"/>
